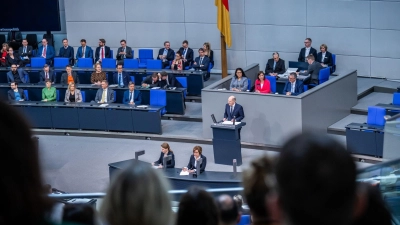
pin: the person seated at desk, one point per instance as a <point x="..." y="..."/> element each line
<point x="166" y="54"/>
<point x="16" y="94"/>
<point x="123" y="52"/>
<point x="72" y="94"/>
<point x="169" y="80"/>
<point x="275" y="65"/>
<point x="239" y="81"/>
<point x="262" y="85"/>
<point x="17" y="74"/>
<point x="191" y="167"/>
<point x="324" y="57"/>
<point x="313" y="70"/>
<point x="132" y="96"/>
<point x="121" y="77"/>
<point x="84" y="51"/>
<point x="177" y="63"/>
<point x="13" y="58"/>
<point x="47" y="74"/>
<point x="293" y="86"/>
<point x="202" y="62"/>
<point x="233" y="110"/>
<point x="69" y="76"/>
<point x="165" y="151"/>
<point x="46" y="51"/>
<point x="67" y="51"/>
<point x="4" y="52"/>
<point x="187" y="53"/>
<point x="152" y="81"/>
<point x="102" y="51"/>
<point x="104" y="94"/>
<point x="307" y="50"/>
<point x="25" y="51"/>
<point x="98" y="75"/>
<point x="49" y="93"/>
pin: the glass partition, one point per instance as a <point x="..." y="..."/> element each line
<point x="391" y="141"/>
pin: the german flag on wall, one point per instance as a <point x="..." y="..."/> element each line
<point x="223" y="20"/>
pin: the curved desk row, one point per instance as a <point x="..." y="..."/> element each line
<point x="91" y="116"/>
<point x="208" y="179"/>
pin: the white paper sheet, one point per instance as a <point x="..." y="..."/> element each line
<point x="230" y="123"/>
<point x="184" y="173"/>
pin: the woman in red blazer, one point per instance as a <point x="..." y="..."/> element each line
<point x="262" y="85"/>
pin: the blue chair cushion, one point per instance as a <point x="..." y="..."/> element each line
<point x="158" y="98"/>
<point x="85" y="62"/>
<point x="61" y="62"/>
<point x="376" y="115"/>
<point x="396" y="98"/>
<point x="108" y="63"/>
<point x="154" y="64"/>
<point x="83" y="93"/>
<point x="131" y="63"/>
<point x="272" y="82"/>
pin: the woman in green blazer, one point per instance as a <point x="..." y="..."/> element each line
<point x="49" y="93"/>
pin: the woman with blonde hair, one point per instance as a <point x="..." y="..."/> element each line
<point x="209" y="53"/>
<point x="98" y="75"/>
<point x="72" y="94"/>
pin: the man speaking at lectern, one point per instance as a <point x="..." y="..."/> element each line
<point x="233" y="110"/>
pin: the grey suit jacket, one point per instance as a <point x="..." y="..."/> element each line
<point x="313" y="70"/>
<point x="64" y="78"/>
<point x="78" y="96"/>
<point x="21" y="73"/>
<point x="110" y="95"/>
<point x="128" y="55"/>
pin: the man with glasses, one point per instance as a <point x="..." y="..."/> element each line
<point x="121" y="77"/>
<point x="124" y="52"/>
<point x="17" y="75"/>
<point x="293" y="86"/>
<point x="275" y="65"/>
<point x="166" y="54"/>
<point x="307" y="50"/>
<point x="46" y="51"/>
<point x="25" y="51"/>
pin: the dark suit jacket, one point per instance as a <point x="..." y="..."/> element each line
<point x="52" y="76"/>
<point x="88" y="52"/>
<point x="205" y="63"/>
<point x="66" y="53"/>
<point x="64" y="78"/>
<point x="110" y="95"/>
<point x="302" y="58"/>
<point x="18" y="36"/>
<point x="173" y="82"/>
<point x="125" y="78"/>
<point x="203" y="164"/>
<point x="21" y="73"/>
<point x="28" y="51"/>
<point x="327" y="60"/>
<point x="128" y="55"/>
<point x="11" y="95"/>
<point x="237" y="112"/>
<point x="170" y="163"/>
<point x="279" y="67"/>
<point x="149" y="80"/>
<point x="50" y="53"/>
<point x="211" y="57"/>
<point x="189" y="54"/>
<point x="107" y="53"/>
<point x="170" y="54"/>
<point x="298" y="88"/>
<point x="137" y="97"/>
<point x="313" y="70"/>
<point x="17" y="59"/>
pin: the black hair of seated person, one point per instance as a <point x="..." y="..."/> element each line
<point x="316" y="181"/>
<point x="79" y="213"/>
<point x="376" y="211"/>
<point x="197" y="207"/>
<point x="23" y="197"/>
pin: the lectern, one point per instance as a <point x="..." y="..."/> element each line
<point x="226" y="143"/>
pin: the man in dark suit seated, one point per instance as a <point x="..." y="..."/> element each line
<point x="67" y="51"/>
<point x="47" y="74"/>
<point x="187" y="53"/>
<point x="102" y="51"/>
<point x="132" y="96"/>
<point x="293" y="86"/>
<point x="166" y="54"/>
<point x="313" y="70"/>
<point x="169" y="80"/>
<point x="46" y="51"/>
<point x="152" y="81"/>
<point x="121" y="77"/>
<point x="84" y="51"/>
<point x="104" y="94"/>
<point x="275" y="65"/>
<point x="16" y="94"/>
<point x="17" y="75"/>
<point x="25" y="51"/>
<point x="202" y="62"/>
<point x="307" y="50"/>
<point x="233" y="110"/>
<point x="124" y="52"/>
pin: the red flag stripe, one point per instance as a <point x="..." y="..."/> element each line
<point x="225" y="3"/>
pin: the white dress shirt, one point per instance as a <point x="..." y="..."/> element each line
<point x="83" y="51"/>
<point x="105" y="94"/>
<point x="323" y="57"/>
<point x="307" y="51"/>
<point x="293" y="87"/>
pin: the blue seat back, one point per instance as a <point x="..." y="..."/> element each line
<point x="248" y="84"/>
<point x="145" y="53"/>
<point x="38" y="62"/>
<point x="333" y="62"/>
<point x="376" y="115"/>
<point x="183" y="81"/>
<point x="245" y="220"/>
<point x="108" y="63"/>
<point x="154" y="64"/>
<point x="396" y="98"/>
<point x="305" y="87"/>
<point x="85" y="62"/>
<point x="210" y="66"/>
<point x="112" y="54"/>
<point x="132" y="78"/>
<point x="57" y="95"/>
<point x="131" y="63"/>
<point x="143" y="78"/>
<point x="26" y="95"/>
<point x="324" y="75"/>
<point x="115" y="96"/>
<point x="158" y="98"/>
<point x="83" y="93"/>
<point x="272" y="83"/>
<point x="61" y="62"/>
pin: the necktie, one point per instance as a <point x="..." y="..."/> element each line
<point x="231" y="109"/>
<point x="47" y="75"/>
<point x="103" y="96"/>
<point x="292" y="88"/>
<point x="184" y="53"/>
<point x="131" y="97"/>
<point x="123" y="50"/>
<point x="120" y="79"/>
<point x="102" y="53"/>
<point x="83" y="52"/>
<point x="24" y="49"/>
<point x="274" y="65"/>
<point x="201" y="60"/>
<point x="44" y="51"/>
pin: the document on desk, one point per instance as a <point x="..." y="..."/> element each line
<point x="230" y="123"/>
<point x="103" y="105"/>
<point x="302" y="77"/>
<point x="155" y="88"/>
<point x="184" y="173"/>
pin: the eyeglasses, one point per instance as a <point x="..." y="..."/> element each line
<point x="306" y="42"/>
<point x="14" y="67"/>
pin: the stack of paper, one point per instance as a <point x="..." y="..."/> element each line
<point x="184" y="173"/>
